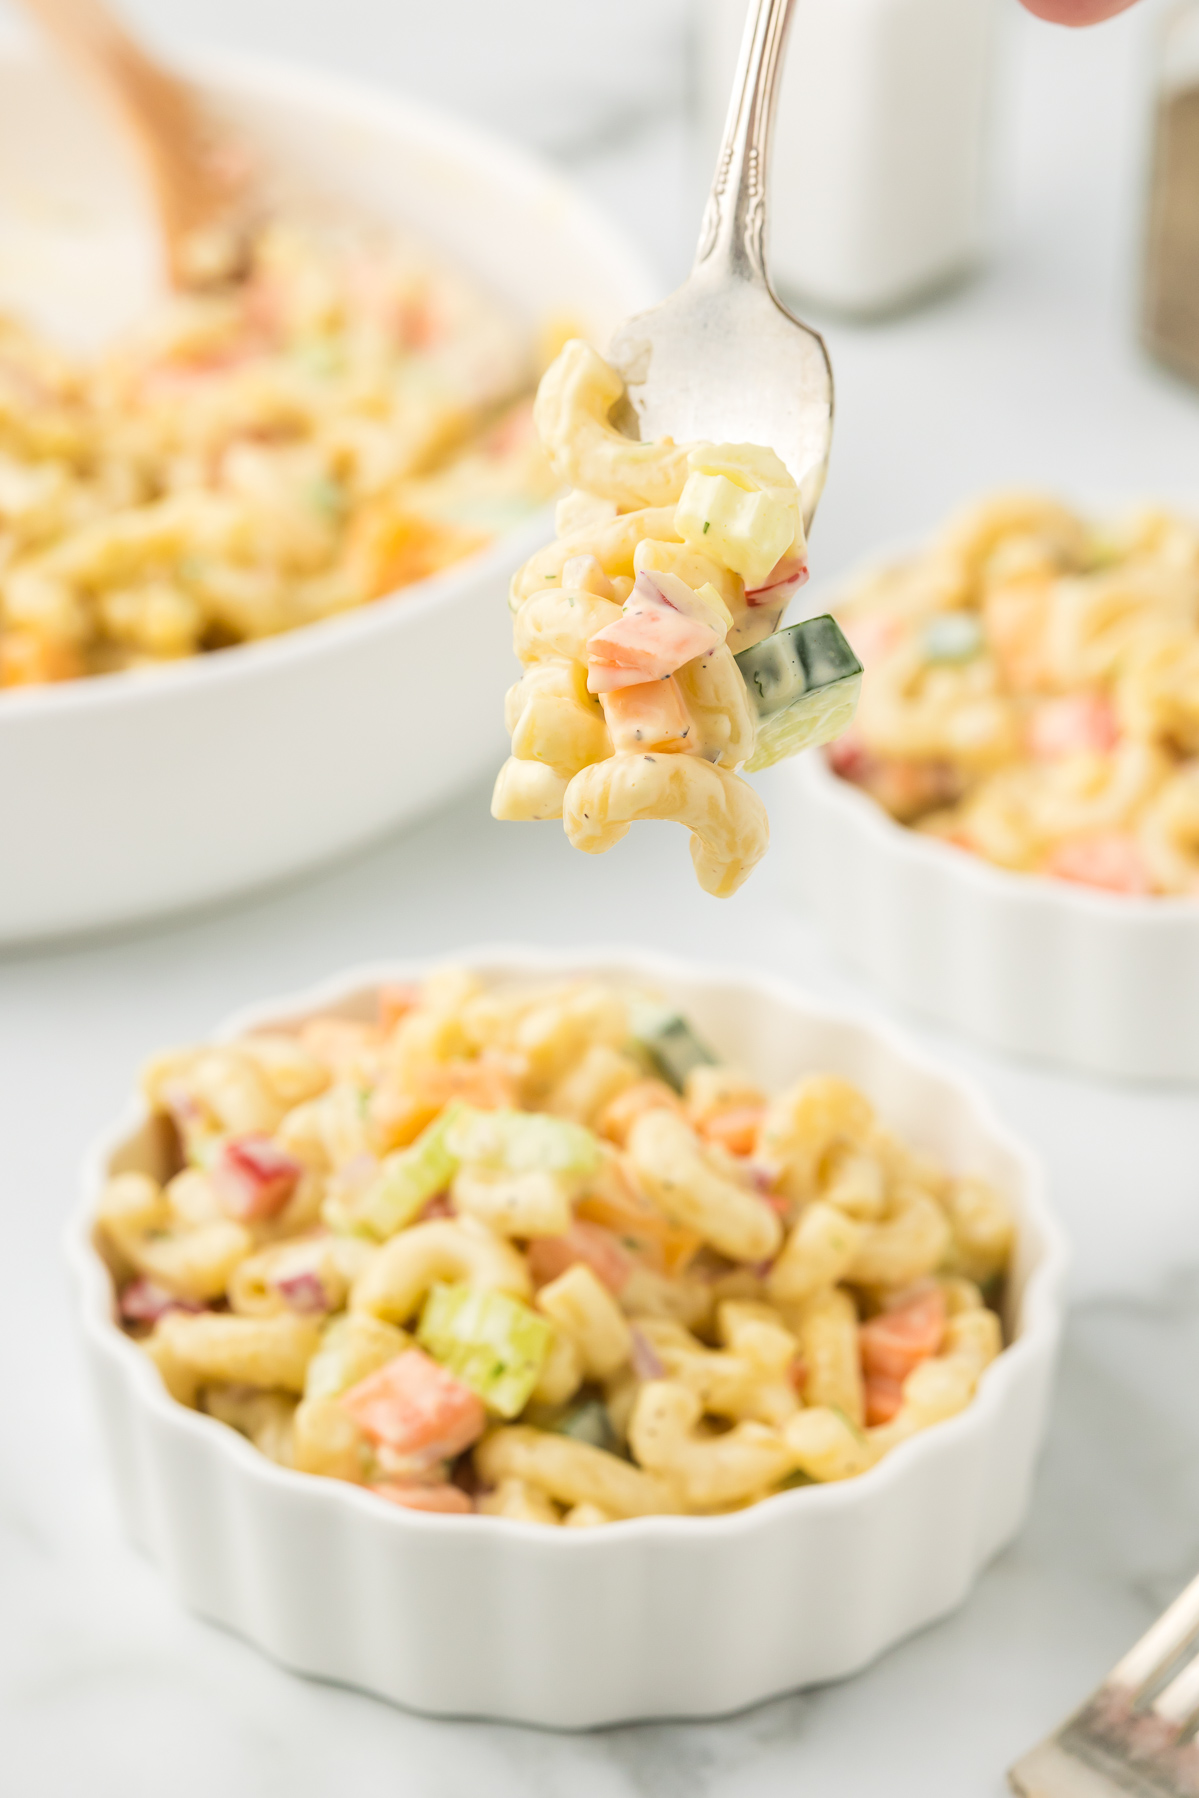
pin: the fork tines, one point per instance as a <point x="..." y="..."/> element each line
<point x="1137" y="1735"/>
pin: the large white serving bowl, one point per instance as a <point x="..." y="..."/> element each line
<point x="659" y="1617"/>
<point x="140" y="793"/>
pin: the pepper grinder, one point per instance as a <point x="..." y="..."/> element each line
<point x="1170" y="316"/>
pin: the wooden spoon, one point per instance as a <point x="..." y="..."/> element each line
<point x="199" y="181"/>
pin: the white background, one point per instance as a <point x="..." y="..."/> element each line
<point x="1030" y="374"/>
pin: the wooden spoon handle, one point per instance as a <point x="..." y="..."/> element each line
<point x="193" y="178"/>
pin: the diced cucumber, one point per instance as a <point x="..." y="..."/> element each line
<point x="408" y="1179"/>
<point x="523" y="1142"/>
<point x="491" y="1342"/>
<point x="668" y="1043"/>
<point x="589" y="1422"/>
<point x="803" y="683"/>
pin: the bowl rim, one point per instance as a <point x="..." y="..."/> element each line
<point x="1042" y="1307"/>
<point x="517" y="168"/>
<point x="1036" y="892"/>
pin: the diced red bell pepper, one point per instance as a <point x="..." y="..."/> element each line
<point x="1111" y="861"/>
<point x="849" y="757"/>
<point x="414" y="1408"/>
<point x="1076" y="724"/>
<point x="591" y="1244"/>
<point x="448" y="1500"/>
<point x="254" y="1178"/>
<point x="899" y="1338"/>
<point x="785" y="578"/>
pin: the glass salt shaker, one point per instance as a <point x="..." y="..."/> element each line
<point x="880" y="163"/>
<point x="1170" y="311"/>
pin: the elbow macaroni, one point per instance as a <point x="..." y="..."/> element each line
<point x="348" y="420"/>
<point x="1031" y="693"/>
<point x="630" y="1300"/>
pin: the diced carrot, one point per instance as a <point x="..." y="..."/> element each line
<point x="884" y="1398"/>
<point x="621" y="1113"/>
<point x="1111" y="861"/>
<point x="395" y="1000"/>
<point x="735" y="1129"/>
<point x="651" y="639"/>
<point x="642" y="1233"/>
<point x="387" y="549"/>
<point x="899" y="1338"/>
<point x="651" y="715"/>
<point x="27" y="660"/>
<point x="415" y="1408"/>
<point x="397" y="1116"/>
<point x="1077" y="724"/>
<point x="449" y="1500"/>
<point x="491" y="1082"/>
<point x="586" y="1242"/>
<point x="254" y="1178"/>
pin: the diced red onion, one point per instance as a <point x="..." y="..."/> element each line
<point x="438" y="1206"/>
<point x="143" y="1301"/>
<point x="254" y="1177"/>
<point x="647" y="1363"/>
<point x="303" y="1292"/>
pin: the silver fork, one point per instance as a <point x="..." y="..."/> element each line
<point x="722" y="360"/>
<point x="1138" y="1733"/>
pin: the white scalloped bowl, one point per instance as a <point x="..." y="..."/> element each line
<point x="1088" y="980"/>
<point x="135" y="794"/>
<point x="659" y="1617"/>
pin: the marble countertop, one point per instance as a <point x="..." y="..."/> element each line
<point x="1028" y="374"/>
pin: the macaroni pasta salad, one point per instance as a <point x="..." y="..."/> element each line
<point x="672" y="562"/>
<point x="530" y="1251"/>
<point x="348" y="420"/>
<point x="1032" y="693"/>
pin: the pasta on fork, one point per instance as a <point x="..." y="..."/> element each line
<point x="642" y="695"/>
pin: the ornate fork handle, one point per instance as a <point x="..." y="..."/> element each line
<point x="731" y="238"/>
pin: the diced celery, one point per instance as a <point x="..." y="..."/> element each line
<point x="491" y="1342"/>
<point x="523" y="1142"/>
<point x="748" y="532"/>
<point x="409" y="1178"/>
<point x="952" y="637"/>
<point x="803" y="683"/>
<point x="669" y="1043"/>
<point x="352" y="1346"/>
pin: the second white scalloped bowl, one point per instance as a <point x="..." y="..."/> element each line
<point x="1089" y="980"/>
<point x="659" y="1617"/>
